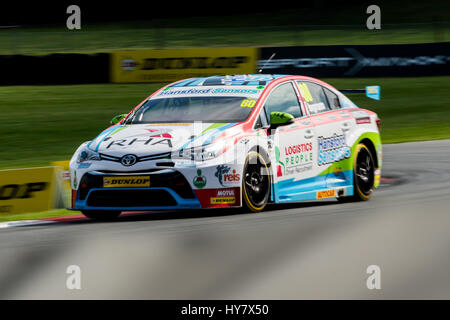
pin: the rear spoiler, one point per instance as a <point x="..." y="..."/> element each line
<point x="372" y="92"/>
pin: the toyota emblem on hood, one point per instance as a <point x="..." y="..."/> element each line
<point x="128" y="160"/>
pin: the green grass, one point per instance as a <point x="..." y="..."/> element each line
<point x="41" y="124"/>
<point x="91" y="40"/>
<point x="38" y="215"/>
<point x="324" y="23"/>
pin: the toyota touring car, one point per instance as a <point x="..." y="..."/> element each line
<point x="231" y="141"/>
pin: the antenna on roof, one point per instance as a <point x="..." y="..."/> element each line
<point x="267" y="61"/>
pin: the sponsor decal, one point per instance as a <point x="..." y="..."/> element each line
<point x="226" y="177"/>
<point x="326" y="194"/>
<point x="240" y="78"/>
<point x="172" y="92"/>
<point x="297" y="159"/>
<point x="373" y="92"/>
<point x="363" y="120"/>
<point x="199" y="180"/>
<point x="332" y="149"/>
<point x="226" y="197"/>
<point x="152" y="140"/>
<point x="225" y="192"/>
<point x="124" y="182"/>
<point x="84" y="165"/>
<point x="222" y="200"/>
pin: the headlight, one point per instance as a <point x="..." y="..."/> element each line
<point x="87" y="154"/>
<point x="201" y="153"/>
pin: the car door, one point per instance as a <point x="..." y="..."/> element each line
<point x="293" y="153"/>
<point x="332" y="126"/>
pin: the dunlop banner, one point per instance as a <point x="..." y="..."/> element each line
<point x="64" y="191"/>
<point x="26" y="190"/>
<point x="173" y="65"/>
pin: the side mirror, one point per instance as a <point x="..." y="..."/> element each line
<point x="280" y="118"/>
<point x="118" y="118"/>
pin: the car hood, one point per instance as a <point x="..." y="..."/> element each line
<point x="148" y="139"/>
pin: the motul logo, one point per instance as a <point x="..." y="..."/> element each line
<point x="225" y="193"/>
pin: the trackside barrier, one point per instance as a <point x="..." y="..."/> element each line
<point x="402" y="60"/>
<point x="28" y="190"/>
<point x="63" y="179"/>
<point x="133" y="66"/>
<point x="172" y="65"/>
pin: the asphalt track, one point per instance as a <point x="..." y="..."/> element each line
<point x="317" y="250"/>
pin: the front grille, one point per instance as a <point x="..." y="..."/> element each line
<point x="171" y="179"/>
<point x="130" y="198"/>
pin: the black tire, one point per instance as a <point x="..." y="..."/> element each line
<point x="255" y="182"/>
<point x="363" y="175"/>
<point x="101" y="215"/>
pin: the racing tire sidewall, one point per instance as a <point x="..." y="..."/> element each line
<point x="246" y="199"/>
<point x="358" y="193"/>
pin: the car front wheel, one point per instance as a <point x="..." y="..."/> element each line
<point x="255" y="182"/>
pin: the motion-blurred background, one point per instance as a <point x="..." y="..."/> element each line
<point x="57" y="91"/>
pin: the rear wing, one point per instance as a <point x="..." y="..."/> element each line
<point x="372" y="92"/>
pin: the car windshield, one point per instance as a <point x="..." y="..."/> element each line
<point x="191" y="109"/>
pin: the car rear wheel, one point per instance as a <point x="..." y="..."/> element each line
<point x="101" y="215"/>
<point x="363" y="175"/>
<point x="255" y="182"/>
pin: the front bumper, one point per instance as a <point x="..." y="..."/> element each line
<point x="169" y="189"/>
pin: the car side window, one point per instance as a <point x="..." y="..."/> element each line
<point x="314" y="96"/>
<point x="283" y="99"/>
<point x="333" y="99"/>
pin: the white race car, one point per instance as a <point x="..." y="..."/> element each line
<point x="230" y="141"/>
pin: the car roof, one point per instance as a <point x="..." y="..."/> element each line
<point x="240" y="80"/>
